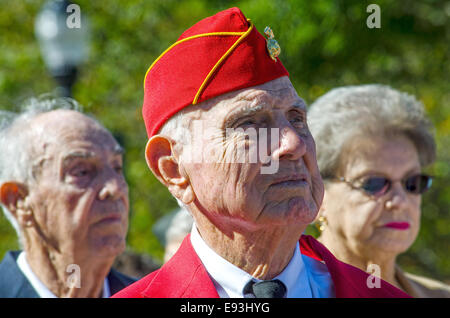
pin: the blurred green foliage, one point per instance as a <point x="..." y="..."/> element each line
<point x="324" y="44"/>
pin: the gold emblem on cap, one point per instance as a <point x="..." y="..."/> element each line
<point x="272" y="45"/>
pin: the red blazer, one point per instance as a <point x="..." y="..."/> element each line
<point x="184" y="276"/>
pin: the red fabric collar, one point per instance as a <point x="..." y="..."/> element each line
<point x="185" y="276"/>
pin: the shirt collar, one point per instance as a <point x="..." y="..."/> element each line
<point x="295" y="277"/>
<point x="230" y="280"/>
<point x="39" y="286"/>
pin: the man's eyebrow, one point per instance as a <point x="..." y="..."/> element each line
<point x="118" y="150"/>
<point x="243" y="112"/>
<point x="66" y="159"/>
<point x="78" y="154"/>
<point x="251" y="110"/>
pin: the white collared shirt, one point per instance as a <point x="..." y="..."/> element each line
<point x="304" y="277"/>
<point x="39" y="286"/>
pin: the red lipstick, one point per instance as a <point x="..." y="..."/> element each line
<point x="398" y="225"/>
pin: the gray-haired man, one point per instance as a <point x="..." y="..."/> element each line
<point x="62" y="188"/>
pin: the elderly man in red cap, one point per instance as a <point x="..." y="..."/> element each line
<point x="228" y="138"/>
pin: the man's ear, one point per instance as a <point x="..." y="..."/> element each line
<point x="162" y="162"/>
<point x="11" y="193"/>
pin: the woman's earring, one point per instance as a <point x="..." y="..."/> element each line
<point x="322" y="222"/>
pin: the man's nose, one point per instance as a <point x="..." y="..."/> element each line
<point x="113" y="187"/>
<point x="292" y="145"/>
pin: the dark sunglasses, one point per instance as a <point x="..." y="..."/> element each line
<point x="378" y="186"/>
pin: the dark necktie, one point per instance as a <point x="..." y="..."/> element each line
<point x="265" y="289"/>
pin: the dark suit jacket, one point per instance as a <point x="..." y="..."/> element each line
<point x="14" y="284"/>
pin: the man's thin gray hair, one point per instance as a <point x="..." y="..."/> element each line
<point x="15" y="142"/>
<point x="366" y="111"/>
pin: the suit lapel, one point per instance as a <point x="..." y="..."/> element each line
<point x="118" y="281"/>
<point x="349" y="281"/>
<point x="13" y="283"/>
<point x="183" y="276"/>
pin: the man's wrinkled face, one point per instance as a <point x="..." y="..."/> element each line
<point x="80" y="197"/>
<point x="284" y="190"/>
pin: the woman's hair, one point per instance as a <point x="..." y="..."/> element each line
<point x="366" y="111"/>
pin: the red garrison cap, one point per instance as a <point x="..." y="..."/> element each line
<point x="219" y="54"/>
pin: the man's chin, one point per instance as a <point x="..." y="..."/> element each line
<point x="301" y="209"/>
<point x="109" y="246"/>
<point x="295" y="212"/>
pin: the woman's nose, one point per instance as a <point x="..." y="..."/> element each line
<point x="397" y="196"/>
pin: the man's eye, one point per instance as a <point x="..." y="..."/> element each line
<point x="247" y="123"/>
<point x="118" y="169"/>
<point x="80" y="172"/>
<point x="297" y="119"/>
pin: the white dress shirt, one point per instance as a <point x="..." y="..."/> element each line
<point x="304" y="277"/>
<point x="39" y="286"/>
